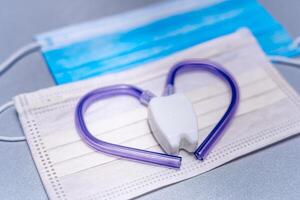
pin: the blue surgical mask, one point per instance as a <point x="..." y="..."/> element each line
<point x="131" y="39"/>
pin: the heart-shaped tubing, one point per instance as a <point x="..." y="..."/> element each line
<point x="118" y="150"/>
<point x="217" y="70"/>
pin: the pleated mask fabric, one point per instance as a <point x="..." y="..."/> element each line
<point x="269" y="111"/>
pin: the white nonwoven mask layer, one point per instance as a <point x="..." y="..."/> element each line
<point x="269" y="111"/>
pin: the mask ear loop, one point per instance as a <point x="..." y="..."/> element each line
<point x="205" y="147"/>
<point x="286" y="60"/>
<point x="8" y="138"/>
<point x="122" y="151"/>
<point x="18" y="55"/>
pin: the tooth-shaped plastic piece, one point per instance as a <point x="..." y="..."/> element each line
<point x="173" y="123"/>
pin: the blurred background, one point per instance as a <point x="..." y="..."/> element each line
<point x="21" y="20"/>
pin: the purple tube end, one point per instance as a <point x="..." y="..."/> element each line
<point x="200" y="155"/>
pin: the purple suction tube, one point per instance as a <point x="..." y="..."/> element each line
<point x="113" y="149"/>
<point x="205" y="147"/>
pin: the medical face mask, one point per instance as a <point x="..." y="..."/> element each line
<point x="269" y="111"/>
<point x="131" y="39"/>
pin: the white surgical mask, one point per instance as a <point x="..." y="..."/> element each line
<point x="269" y="111"/>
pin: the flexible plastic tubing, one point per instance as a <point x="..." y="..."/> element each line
<point x="113" y="149"/>
<point x="217" y="70"/>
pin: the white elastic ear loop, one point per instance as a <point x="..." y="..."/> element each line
<point x="19" y="54"/>
<point x="286" y="60"/>
<point x="7" y="138"/>
<point x="9" y="62"/>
